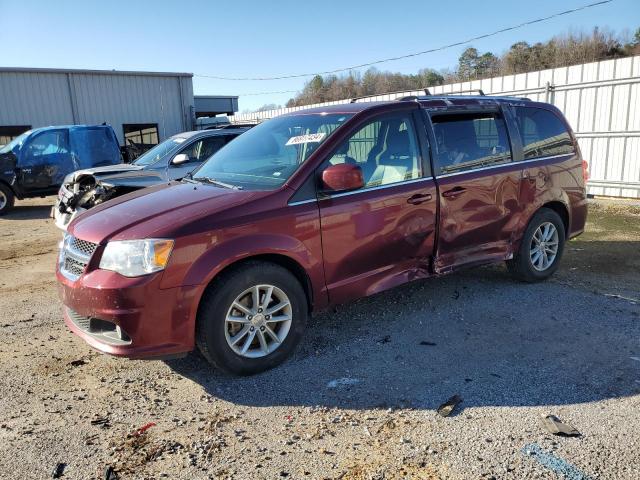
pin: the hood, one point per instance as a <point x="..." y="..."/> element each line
<point x="135" y="179"/>
<point x="154" y="211"/>
<point x="103" y="172"/>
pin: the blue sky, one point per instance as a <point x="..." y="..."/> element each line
<point x="266" y="38"/>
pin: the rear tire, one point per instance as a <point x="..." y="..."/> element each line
<point x="541" y="248"/>
<point x="7" y="199"/>
<point x="241" y="336"/>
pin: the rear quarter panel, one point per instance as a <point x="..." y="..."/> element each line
<point x="555" y="179"/>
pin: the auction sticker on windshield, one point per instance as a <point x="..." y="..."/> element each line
<point x="309" y="138"/>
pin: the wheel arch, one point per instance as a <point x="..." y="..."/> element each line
<point x="561" y="209"/>
<point x="284" y="261"/>
<point x="556" y="203"/>
<point x="11" y="189"/>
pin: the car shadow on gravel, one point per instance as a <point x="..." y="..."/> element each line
<point x="478" y="334"/>
<point x="28" y="212"/>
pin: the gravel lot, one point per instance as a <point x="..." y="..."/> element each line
<point x="359" y="398"/>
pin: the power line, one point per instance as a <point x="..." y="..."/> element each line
<point x="264" y="93"/>
<point x="409" y="55"/>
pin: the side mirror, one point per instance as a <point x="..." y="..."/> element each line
<point x="180" y="159"/>
<point x="342" y="177"/>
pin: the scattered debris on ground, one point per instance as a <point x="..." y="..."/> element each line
<point x="110" y="473"/>
<point x="58" y="470"/>
<point x="555" y="426"/>
<point x="449" y="406"/>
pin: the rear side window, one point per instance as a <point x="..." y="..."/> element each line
<point x="469" y="141"/>
<point x="543" y="134"/>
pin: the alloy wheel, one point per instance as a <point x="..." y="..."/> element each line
<point x="3" y="200"/>
<point x="544" y="246"/>
<point x="258" y="321"/>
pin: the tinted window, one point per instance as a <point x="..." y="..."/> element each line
<point x="385" y="149"/>
<point x="468" y="141"/>
<point x="543" y="134"/>
<point x="202" y="149"/>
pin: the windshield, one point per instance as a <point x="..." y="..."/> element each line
<point x="16" y="142"/>
<point x="264" y="157"/>
<point x="159" y="151"/>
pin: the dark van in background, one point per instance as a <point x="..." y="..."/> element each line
<point x="35" y="163"/>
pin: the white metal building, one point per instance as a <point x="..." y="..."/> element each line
<point x="601" y="100"/>
<point x="145" y="107"/>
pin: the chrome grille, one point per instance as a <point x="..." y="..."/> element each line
<point x="83" y="246"/>
<point x="74" y="256"/>
<point x="73" y="266"/>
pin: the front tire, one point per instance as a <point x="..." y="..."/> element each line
<point x="251" y="318"/>
<point x="7" y="199"/>
<point x="541" y="248"/>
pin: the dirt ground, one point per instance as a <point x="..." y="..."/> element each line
<point x="358" y="400"/>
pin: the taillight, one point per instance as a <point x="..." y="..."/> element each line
<point x="585" y="171"/>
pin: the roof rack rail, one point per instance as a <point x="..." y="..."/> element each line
<point x="410" y="97"/>
<point x="479" y="90"/>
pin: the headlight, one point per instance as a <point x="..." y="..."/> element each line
<point x="133" y="258"/>
<point x="64" y="244"/>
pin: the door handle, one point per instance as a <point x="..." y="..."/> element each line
<point x="527" y="176"/>
<point x="454" y="192"/>
<point x="419" y="198"/>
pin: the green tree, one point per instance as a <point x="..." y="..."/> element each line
<point x="487" y="65"/>
<point x="467" y="64"/>
<point x="428" y="77"/>
<point x="516" y="60"/>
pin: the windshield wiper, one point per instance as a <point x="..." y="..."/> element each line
<point x="217" y="183"/>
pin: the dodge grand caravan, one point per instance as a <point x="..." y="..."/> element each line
<point x="319" y="207"/>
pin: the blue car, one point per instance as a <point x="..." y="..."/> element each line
<point x="35" y="163"/>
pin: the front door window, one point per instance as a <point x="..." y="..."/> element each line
<point x="386" y="150"/>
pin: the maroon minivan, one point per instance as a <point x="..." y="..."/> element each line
<point x="319" y="207"/>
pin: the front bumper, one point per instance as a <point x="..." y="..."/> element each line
<point x="129" y="317"/>
<point x="62" y="220"/>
